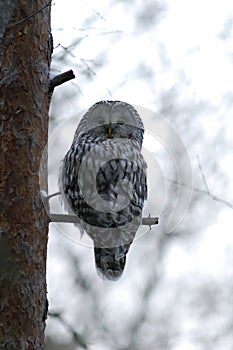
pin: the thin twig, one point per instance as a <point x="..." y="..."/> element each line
<point x="209" y="194"/>
<point x="77" y="337"/>
<point x="202" y="173"/>
<point x="66" y="49"/>
<point x="28" y="17"/>
<point x="52" y="195"/>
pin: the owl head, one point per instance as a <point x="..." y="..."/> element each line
<point x="112" y="119"/>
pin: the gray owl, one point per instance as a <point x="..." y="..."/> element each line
<point x="103" y="181"/>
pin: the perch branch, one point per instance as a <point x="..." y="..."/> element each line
<point x="73" y="219"/>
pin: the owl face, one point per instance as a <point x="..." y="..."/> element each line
<point x="112" y="119"/>
<point x="118" y="131"/>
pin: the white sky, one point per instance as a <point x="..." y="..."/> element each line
<point x="208" y="67"/>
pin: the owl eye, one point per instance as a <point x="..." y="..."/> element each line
<point x="120" y="122"/>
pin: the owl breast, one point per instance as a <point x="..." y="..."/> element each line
<point x="101" y="191"/>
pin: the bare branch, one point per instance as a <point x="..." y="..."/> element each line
<point x="61" y="79"/>
<point x="52" y="195"/>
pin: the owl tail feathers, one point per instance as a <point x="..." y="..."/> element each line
<point x="110" y="262"/>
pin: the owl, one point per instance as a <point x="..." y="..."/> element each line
<point x="103" y="181"/>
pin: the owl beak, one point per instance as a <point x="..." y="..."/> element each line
<point x="109" y="131"/>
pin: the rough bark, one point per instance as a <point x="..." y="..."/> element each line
<point x="25" y="51"/>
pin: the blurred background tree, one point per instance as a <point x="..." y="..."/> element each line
<point x="173" y="58"/>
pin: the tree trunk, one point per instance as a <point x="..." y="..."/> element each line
<point x="25" y="52"/>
